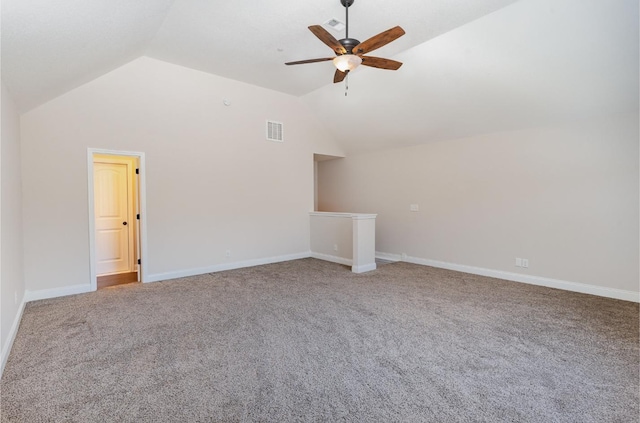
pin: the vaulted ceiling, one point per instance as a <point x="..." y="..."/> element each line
<point x="51" y="46"/>
<point x="471" y="66"/>
<point x="531" y="64"/>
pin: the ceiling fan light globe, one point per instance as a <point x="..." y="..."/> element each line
<point x="347" y="62"/>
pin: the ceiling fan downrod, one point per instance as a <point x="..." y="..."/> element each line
<point x="346" y="4"/>
<point x="347" y="42"/>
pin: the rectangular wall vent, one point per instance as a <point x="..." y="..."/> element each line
<point x="274" y="131"/>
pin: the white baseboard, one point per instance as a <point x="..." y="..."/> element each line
<point x="388" y="256"/>
<point x="333" y="259"/>
<point x="44" y="294"/>
<point x="363" y="268"/>
<point x="600" y="291"/>
<point x="347" y="262"/>
<point x="6" y="350"/>
<point x="224" y="266"/>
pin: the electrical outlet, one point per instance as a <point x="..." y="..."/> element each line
<point x="518" y="262"/>
<point x="335" y="247"/>
<point x="414" y="207"/>
<point x="228" y="253"/>
<point x="525" y="262"/>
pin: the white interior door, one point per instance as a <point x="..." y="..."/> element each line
<point x="111" y="194"/>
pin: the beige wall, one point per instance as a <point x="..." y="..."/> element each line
<point x="213" y="182"/>
<point x="11" y="270"/>
<point x="332" y="236"/>
<point x="565" y="198"/>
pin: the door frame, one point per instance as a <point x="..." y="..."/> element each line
<point x="142" y="207"/>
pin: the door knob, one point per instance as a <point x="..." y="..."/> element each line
<point x="124" y="223"/>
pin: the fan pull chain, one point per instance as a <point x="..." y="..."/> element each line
<point x="346" y="84"/>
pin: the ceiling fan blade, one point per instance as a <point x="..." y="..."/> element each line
<point x="302" y="62"/>
<point x="327" y="38"/>
<point x="380" y="63"/>
<point x="339" y="76"/>
<point x="378" y="41"/>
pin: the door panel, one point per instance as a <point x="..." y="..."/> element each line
<point x="111" y="193"/>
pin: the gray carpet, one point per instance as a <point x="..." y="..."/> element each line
<point x="309" y="341"/>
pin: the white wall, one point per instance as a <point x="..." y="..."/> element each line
<point x="564" y="197"/>
<point x="213" y="182"/>
<point x="11" y="271"/>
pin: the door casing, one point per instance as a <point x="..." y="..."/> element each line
<point x="142" y="204"/>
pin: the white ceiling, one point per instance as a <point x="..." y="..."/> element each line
<point x="52" y="46"/>
<point x="471" y="66"/>
<point x="533" y="63"/>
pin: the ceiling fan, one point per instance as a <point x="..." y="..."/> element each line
<point x="350" y="53"/>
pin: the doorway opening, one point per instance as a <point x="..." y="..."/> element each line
<point x="117" y="229"/>
<point x="317" y="158"/>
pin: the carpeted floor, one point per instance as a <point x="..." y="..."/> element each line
<point x="310" y="341"/>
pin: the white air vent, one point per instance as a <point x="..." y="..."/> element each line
<point x="335" y="24"/>
<point x="274" y="131"/>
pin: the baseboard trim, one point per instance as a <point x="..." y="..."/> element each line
<point x="333" y="259"/>
<point x="388" y="256"/>
<point x="44" y="294"/>
<point x="600" y="291"/>
<point x="6" y="350"/>
<point x="157" y="277"/>
<point x="363" y="268"/>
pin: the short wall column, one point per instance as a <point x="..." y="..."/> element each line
<point x="364" y="243"/>
<point x="345" y="238"/>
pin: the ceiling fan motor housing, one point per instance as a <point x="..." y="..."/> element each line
<point x="349" y="44"/>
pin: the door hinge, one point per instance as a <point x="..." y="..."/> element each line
<point x="139" y="261"/>
<point x="137" y="171"/>
<point x="138" y="216"/>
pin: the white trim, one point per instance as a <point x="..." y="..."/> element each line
<point x="356" y="216"/>
<point x="363" y="268"/>
<point x="93" y="279"/>
<point x="583" y="288"/>
<point x="329" y="214"/>
<point x="142" y="194"/>
<point x="6" y="350"/>
<point x="388" y="256"/>
<point x="224" y="266"/>
<point x="44" y="294"/>
<point x="333" y="259"/>
<point x="361" y="216"/>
